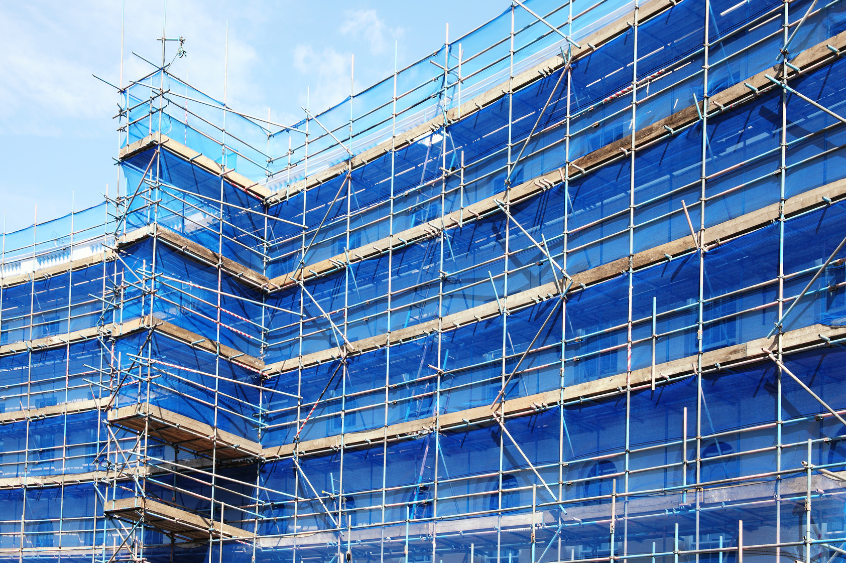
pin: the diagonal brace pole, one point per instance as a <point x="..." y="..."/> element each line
<point x="132" y="199"/>
<point x="540" y="116"/>
<point x="783" y="52"/>
<point x="328" y="318"/>
<point x="328" y="131"/>
<point x="496" y="294"/>
<point x="805" y="387"/>
<point x="123" y="542"/>
<point x="528" y="348"/>
<point x="525" y="232"/>
<point x="690" y="224"/>
<point x="126" y="460"/>
<point x="128" y="370"/>
<point x="531" y="466"/>
<point x="320" y="226"/>
<point x="549" y="25"/>
<point x="317" y="402"/>
<point x="317" y="496"/>
<point x="807" y="287"/>
<point x="806" y="98"/>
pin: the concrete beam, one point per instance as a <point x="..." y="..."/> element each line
<point x="49" y="342"/>
<point x="175" y="147"/>
<point x="125" y="475"/>
<point x="148" y="322"/>
<point x="718" y="234"/>
<point x="172" y="239"/>
<point x="195" y="251"/>
<point x="731" y="97"/>
<point x="50" y="411"/>
<point x="172" y="520"/>
<point x="456" y="421"/>
<point x="183" y="431"/>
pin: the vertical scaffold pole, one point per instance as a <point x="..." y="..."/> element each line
<point x="407" y="524"/>
<point x="809" y="483"/>
<point x="504" y="349"/>
<point x="388" y="348"/>
<point x="29" y="376"/>
<point x="441" y="363"/>
<point x="629" y="317"/>
<point x="565" y="179"/>
<point x="701" y="295"/>
<point x="301" y="322"/>
<point x="348" y="273"/>
<point x="534" y="519"/>
<point x="780" y="297"/>
<point x="67" y="370"/>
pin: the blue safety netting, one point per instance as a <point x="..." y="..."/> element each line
<point x="435" y="494"/>
<point x="188" y="381"/>
<point x="65" y="302"/>
<point x="739" y="305"/>
<point x="597" y="441"/>
<point x="189" y="295"/>
<point x="52" y="446"/>
<point x="742" y="152"/>
<point x="43" y="378"/>
<point x="201" y="207"/>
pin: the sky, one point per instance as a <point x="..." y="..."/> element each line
<point x="58" y="138"/>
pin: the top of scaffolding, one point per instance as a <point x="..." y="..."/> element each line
<point x="278" y="155"/>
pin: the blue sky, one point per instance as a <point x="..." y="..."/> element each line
<point x="57" y="135"/>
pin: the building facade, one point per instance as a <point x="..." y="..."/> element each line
<point x="570" y="288"/>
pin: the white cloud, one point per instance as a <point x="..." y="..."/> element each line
<point x="367" y="25"/>
<point x="43" y="80"/>
<point x="48" y="88"/>
<point x="327" y="69"/>
<point x="330" y="71"/>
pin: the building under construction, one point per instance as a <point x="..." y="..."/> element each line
<point x="573" y="287"/>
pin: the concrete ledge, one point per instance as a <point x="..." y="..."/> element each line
<point x="50" y="271"/>
<point x="715" y="235"/>
<point x="158" y="139"/>
<point x="50" y="411"/>
<point x="172" y="520"/>
<point x="531" y="404"/>
<point x="185" y="432"/>
<point x="196" y="341"/>
<point x="182" y="466"/>
<point x="148" y="322"/>
<point x="57" y="341"/>
<point x="731" y="97"/>
<point x="195" y="251"/>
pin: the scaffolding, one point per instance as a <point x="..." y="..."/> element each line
<point x="573" y="287"/>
